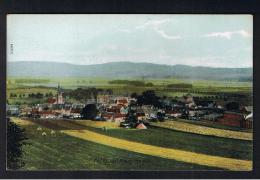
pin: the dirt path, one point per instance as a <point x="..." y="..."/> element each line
<point x="197" y="129"/>
<point x="179" y="155"/>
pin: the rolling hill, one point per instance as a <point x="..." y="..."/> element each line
<point x="125" y="70"/>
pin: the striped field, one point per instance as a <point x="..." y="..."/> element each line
<point x="153" y="142"/>
<point x="197" y="129"/>
<point x="184" y="156"/>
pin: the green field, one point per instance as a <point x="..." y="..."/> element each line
<point x="63" y="152"/>
<point x="185" y="141"/>
<point x="23" y="86"/>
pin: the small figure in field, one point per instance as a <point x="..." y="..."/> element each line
<point x="39" y="129"/>
<point x="44" y="134"/>
<point x="104" y="128"/>
<point x="52" y="132"/>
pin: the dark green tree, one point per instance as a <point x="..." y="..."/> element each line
<point x="131" y="115"/>
<point x="232" y="106"/>
<point x="15" y="140"/>
<point x="149" y="98"/>
<point x="134" y="95"/>
<point x="89" y="112"/>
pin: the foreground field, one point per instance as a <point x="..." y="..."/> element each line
<point x="183" y="156"/>
<point x="180" y="147"/>
<point x="168" y="138"/>
<point x="64" y="152"/>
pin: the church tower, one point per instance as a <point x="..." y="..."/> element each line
<point x="59" y="96"/>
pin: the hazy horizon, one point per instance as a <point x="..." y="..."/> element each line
<point x="127" y="62"/>
<point x="195" y="40"/>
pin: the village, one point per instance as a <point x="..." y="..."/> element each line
<point x="130" y="114"/>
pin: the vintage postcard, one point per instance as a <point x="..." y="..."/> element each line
<point x="129" y="92"/>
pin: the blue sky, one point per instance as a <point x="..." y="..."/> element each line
<point x="197" y="40"/>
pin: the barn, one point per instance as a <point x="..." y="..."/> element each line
<point x="234" y="119"/>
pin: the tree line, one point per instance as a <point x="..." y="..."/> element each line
<point x="31" y="95"/>
<point x="83" y="94"/>
<point x="132" y="83"/>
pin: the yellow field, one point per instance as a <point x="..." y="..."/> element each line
<point x="99" y="124"/>
<point x="187" y="127"/>
<point x="21" y="122"/>
<point x="179" y="155"/>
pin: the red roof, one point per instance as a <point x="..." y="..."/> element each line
<point x="141" y="126"/>
<point x="51" y="100"/>
<point x="46" y="112"/>
<point x="122" y="101"/>
<point x="113" y="109"/>
<point x="75" y="111"/>
<point x="107" y="115"/>
<point x="117" y="115"/>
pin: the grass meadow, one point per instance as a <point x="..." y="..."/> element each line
<point x="62" y="151"/>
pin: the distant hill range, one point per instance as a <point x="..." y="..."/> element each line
<point x="122" y="70"/>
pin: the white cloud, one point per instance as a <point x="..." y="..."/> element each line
<point x="166" y="36"/>
<point x="156" y="26"/>
<point x="229" y="34"/>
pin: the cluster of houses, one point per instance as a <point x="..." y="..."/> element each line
<point x="115" y="108"/>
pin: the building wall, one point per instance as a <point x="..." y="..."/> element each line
<point x="230" y="122"/>
<point x="233" y="116"/>
<point x="236" y="120"/>
<point x="232" y="119"/>
<point x="248" y="124"/>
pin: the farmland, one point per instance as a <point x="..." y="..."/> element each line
<point x="187" y="127"/>
<point x="155" y="137"/>
<point x="170" y="145"/>
<point x="64" y="152"/>
<point x="23" y="86"/>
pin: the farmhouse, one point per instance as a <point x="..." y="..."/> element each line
<point x="75" y="113"/>
<point x="51" y="100"/>
<point x="141" y="126"/>
<point x="119" y="117"/>
<point x="47" y="115"/>
<point x="13" y="110"/>
<point x="108" y="116"/>
<point x="102" y="99"/>
<point x="121" y="101"/>
<point x="114" y="109"/>
<point x="173" y="113"/>
<point x="114" y="117"/>
<point x="26" y="111"/>
<point x="232" y="119"/>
